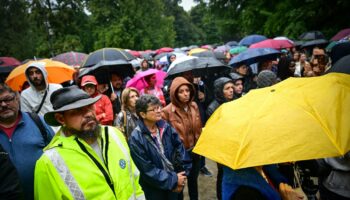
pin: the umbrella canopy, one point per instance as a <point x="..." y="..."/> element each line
<point x="341" y="66"/>
<point x="251" y="39"/>
<point x="341" y="34"/>
<point x="196" y="50"/>
<point x="274" y="44"/>
<point x="138" y="81"/>
<point x="200" y="66"/>
<point x="57" y="72"/>
<point x="215" y="54"/>
<point x="311" y="35"/>
<point x="147" y="56"/>
<point x="232" y="43"/>
<point x="103" y="69"/>
<point x="135" y="53"/>
<point x="314" y="43"/>
<point x="238" y="49"/>
<point x="297" y="119"/>
<point x="222" y="48"/>
<point x="9" y="61"/>
<point x="254" y="55"/>
<point x="107" y="54"/>
<point x="71" y="58"/>
<point x="339" y="50"/>
<point x="164" y="50"/>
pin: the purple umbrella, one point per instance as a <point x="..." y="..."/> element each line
<point x="341" y="34"/>
<point x="71" y="58"/>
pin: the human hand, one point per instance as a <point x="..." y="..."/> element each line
<point x="201" y="95"/>
<point x="288" y="193"/>
<point x="113" y="96"/>
<point x="181" y="181"/>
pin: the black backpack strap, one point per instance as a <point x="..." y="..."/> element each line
<point x="35" y="117"/>
<point x="42" y="102"/>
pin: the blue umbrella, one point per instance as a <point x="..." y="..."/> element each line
<point x="252" y="56"/>
<point x="232" y="43"/>
<point x="251" y="39"/>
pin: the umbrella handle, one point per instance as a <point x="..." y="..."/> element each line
<point x="110" y="83"/>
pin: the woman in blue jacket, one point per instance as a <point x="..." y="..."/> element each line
<point x="158" y="152"/>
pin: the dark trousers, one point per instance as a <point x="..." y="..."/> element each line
<point x="219" y="182"/>
<point x="202" y="163"/>
<point x="192" y="179"/>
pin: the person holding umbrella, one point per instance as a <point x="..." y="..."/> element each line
<point x="103" y="107"/>
<point x="153" y="89"/>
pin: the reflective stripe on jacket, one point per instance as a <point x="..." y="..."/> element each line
<point x="65" y="171"/>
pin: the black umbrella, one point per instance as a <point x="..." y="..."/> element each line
<point x="107" y="54"/>
<point x="200" y="67"/>
<point x="214" y="54"/>
<point x="341" y="66"/>
<point x="315" y="43"/>
<point x="339" y="50"/>
<point x="103" y="69"/>
<point x="311" y="35"/>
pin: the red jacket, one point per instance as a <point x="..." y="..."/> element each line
<point x="104" y="110"/>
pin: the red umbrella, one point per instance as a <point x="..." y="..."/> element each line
<point x="274" y="44"/>
<point x="135" y="53"/>
<point x="164" y="50"/>
<point x="9" y="61"/>
<point x="71" y="58"/>
<point x="138" y="81"/>
<point x="341" y="34"/>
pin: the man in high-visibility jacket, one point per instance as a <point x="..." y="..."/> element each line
<point x="84" y="160"/>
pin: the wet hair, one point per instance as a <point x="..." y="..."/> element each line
<point x="125" y="96"/>
<point x="5" y="88"/>
<point x="144" y="101"/>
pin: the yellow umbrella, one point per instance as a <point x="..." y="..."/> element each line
<point x="196" y="50"/>
<point x="297" y="119"/>
<point x="58" y="72"/>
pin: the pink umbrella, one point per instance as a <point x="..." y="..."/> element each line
<point x="274" y="44"/>
<point x="139" y="82"/>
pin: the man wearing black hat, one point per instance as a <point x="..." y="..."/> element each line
<point x="84" y="160"/>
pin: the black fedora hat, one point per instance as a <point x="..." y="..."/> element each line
<point x="67" y="98"/>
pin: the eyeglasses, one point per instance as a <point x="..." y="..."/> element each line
<point x="7" y="100"/>
<point x="155" y="109"/>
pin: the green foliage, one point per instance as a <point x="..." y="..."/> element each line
<point x="44" y="28"/>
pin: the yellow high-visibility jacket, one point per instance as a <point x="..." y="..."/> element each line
<point x="65" y="170"/>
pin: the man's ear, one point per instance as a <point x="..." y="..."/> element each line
<point x="59" y="117"/>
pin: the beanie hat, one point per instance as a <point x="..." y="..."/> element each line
<point x="266" y="78"/>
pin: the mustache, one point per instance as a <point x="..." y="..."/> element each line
<point x="87" y="120"/>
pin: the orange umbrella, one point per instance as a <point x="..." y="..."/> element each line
<point x="57" y="73"/>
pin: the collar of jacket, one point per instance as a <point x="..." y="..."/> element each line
<point x="60" y="140"/>
<point x="160" y="124"/>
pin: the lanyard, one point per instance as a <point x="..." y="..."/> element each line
<point x="100" y="167"/>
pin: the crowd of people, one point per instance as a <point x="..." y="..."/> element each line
<point x="92" y="141"/>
